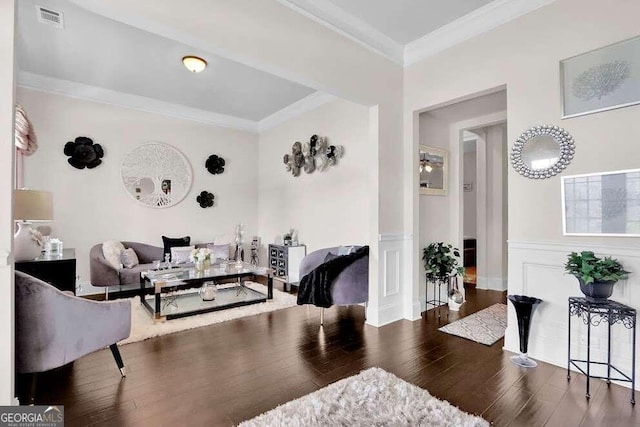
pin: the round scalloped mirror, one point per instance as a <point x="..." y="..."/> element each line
<point x="542" y="151"/>
<point x="156" y="175"/>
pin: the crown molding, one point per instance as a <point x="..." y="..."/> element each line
<point x="308" y="103"/>
<point x="134" y="102"/>
<point x="348" y="25"/>
<point x="479" y="21"/>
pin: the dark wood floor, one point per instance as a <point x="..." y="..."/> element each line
<point x="225" y="373"/>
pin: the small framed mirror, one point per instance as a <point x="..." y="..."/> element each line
<point x="432" y="166"/>
<point x="542" y="152"/>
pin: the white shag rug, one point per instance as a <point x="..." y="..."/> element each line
<point x="372" y="398"/>
<point x="485" y="327"/>
<point x="142" y="326"/>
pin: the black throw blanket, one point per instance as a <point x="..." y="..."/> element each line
<point x="315" y="287"/>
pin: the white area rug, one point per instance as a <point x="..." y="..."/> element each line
<point x="486" y="326"/>
<point x="372" y="398"/>
<point x="142" y="326"/>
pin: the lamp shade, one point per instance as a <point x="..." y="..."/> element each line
<point x="32" y="205"/>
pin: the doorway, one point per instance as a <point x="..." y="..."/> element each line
<point x="477" y="126"/>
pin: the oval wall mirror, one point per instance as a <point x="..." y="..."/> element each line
<point x="156" y="175"/>
<point x="542" y="151"/>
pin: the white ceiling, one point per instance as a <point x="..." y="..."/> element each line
<point x="96" y="51"/>
<point x="407" y="20"/>
<point x="104" y="59"/>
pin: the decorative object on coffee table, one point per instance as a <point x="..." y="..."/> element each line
<point x="597" y="276"/>
<point x="208" y="291"/>
<point x="205" y="199"/>
<point x="215" y="164"/>
<point x="524" y="306"/>
<point x="83" y="153"/>
<point x="202" y="258"/>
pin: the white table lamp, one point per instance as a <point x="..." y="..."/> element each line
<point x="29" y="206"/>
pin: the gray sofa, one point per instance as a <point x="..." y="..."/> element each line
<point x="54" y="328"/>
<point x="352" y="284"/>
<point x="103" y="274"/>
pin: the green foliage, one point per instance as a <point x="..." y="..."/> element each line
<point x="590" y="268"/>
<point x="441" y="261"/>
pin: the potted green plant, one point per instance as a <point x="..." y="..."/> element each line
<point x="441" y="262"/>
<point x="597" y="276"/>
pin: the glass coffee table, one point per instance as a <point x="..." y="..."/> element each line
<point x="174" y="294"/>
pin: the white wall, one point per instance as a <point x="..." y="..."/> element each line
<point x="327" y="208"/>
<point x="7" y="319"/>
<point x="469" y="171"/>
<point x="526" y="60"/>
<point x="91" y="206"/>
<point x="494" y="276"/>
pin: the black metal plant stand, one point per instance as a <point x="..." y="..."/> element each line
<point x="592" y="314"/>
<point x="437" y="300"/>
<point x="524" y="311"/>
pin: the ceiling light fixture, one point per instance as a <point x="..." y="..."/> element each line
<point x="194" y="64"/>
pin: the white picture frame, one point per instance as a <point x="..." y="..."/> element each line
<point x="601" y="204"/>
<point x="433" y="167"/>
<point x="602" y="79"/>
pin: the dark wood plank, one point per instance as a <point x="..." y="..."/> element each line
<point x="232" y="371"/>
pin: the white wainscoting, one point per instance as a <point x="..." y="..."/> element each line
<point x="392" y="283"/>
<point x="537" y="270"/>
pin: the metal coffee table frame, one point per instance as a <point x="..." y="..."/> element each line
<point x="164" y="282"/>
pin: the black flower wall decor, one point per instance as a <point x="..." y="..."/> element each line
<point x="83" y="153"/>
<point x="205" y="199"/>
<point x="215" y="164"/>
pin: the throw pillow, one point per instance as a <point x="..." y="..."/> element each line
<point x="174" y="242"/>
<point x="219" y="251"/>
<point x="346" y="250"/>
<point x="112" y="249"/>
<point x="129" y="258"/>
<point x="181" y="254"/>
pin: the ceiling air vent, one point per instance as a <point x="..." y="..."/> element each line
<point x="50" y="16"/>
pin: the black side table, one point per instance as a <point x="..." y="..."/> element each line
<point x="592" y="314"/>
<point x="59" y="271"/>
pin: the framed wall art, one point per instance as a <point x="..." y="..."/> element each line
<point x="602" y="204"/>
<point x="602" y="79"/>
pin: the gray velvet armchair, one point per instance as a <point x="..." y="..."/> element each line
<point x="352" y="284"/>
<point x="54" y="328"/>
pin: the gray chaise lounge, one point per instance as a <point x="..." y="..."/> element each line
<point x="352" y="284"/>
